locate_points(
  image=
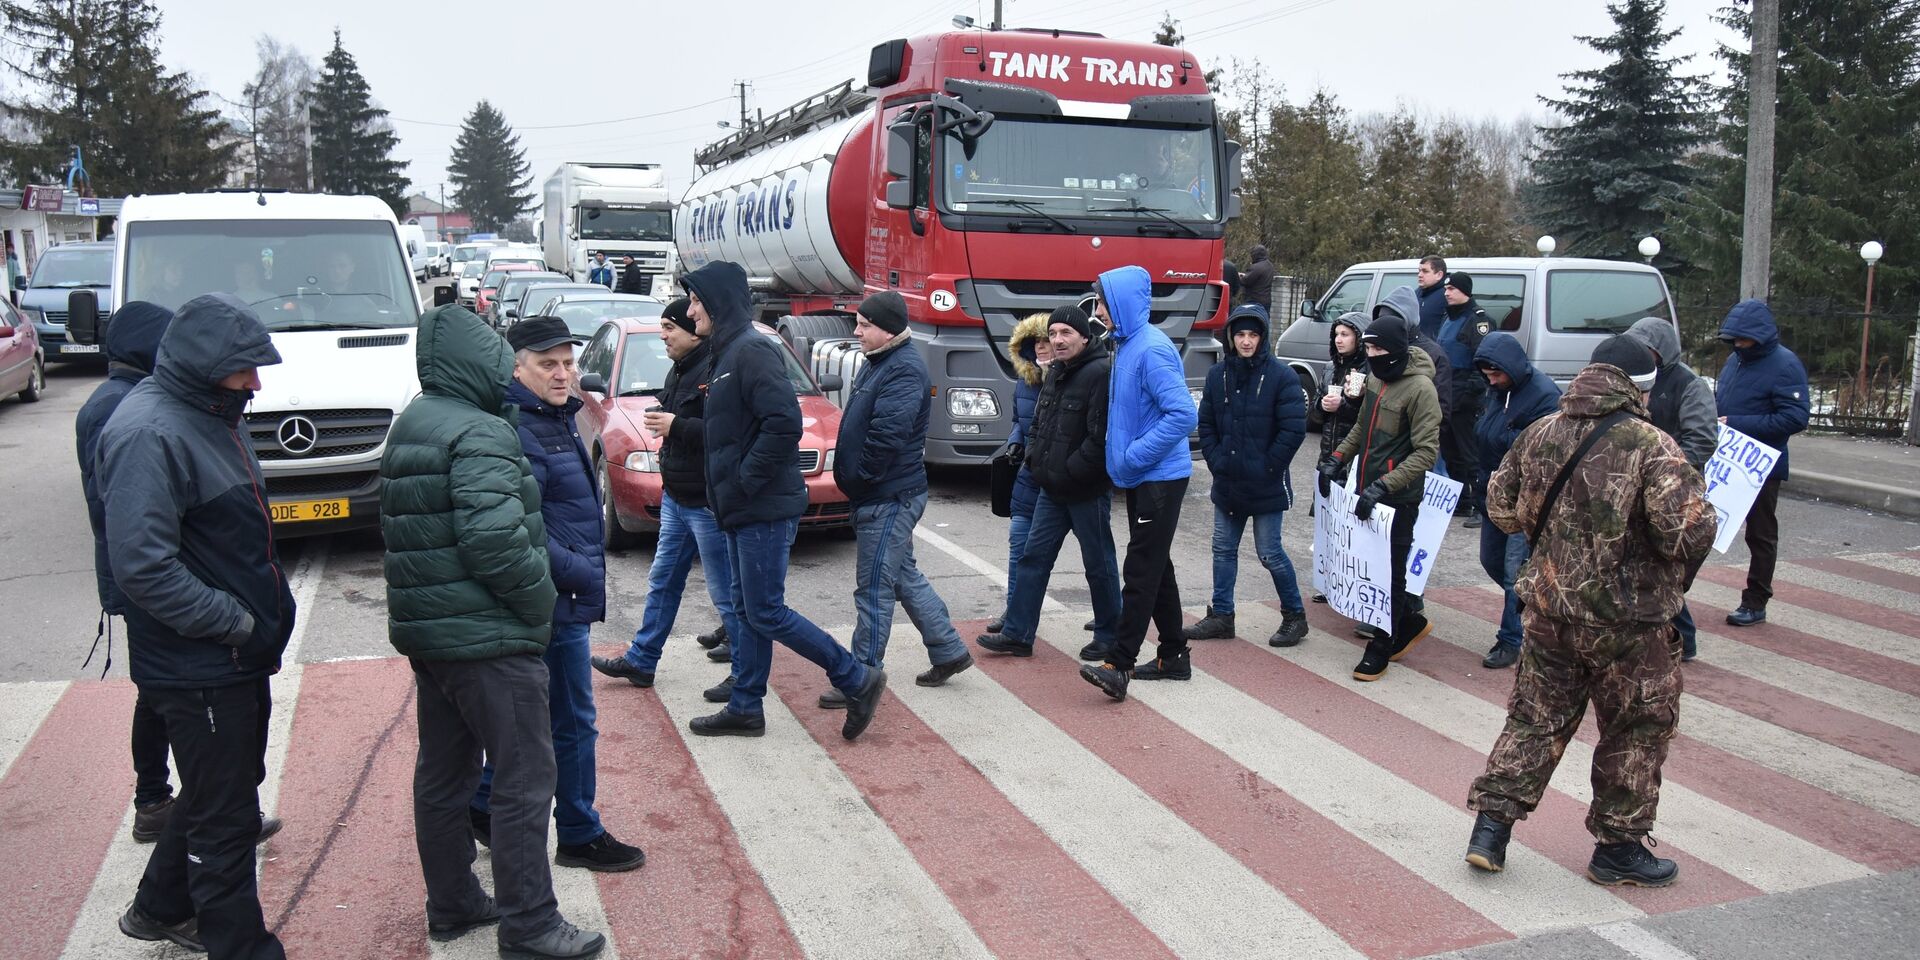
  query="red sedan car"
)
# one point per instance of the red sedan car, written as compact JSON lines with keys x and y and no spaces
{"x":23,"y":365}
{"x":628,"y":358}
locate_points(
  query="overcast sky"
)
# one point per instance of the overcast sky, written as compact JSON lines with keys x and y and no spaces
{"x":571,"y":67}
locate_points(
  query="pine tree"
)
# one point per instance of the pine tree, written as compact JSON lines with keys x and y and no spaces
{"x":1313,"y":168}
{"x":1845,"y":142}
{"x":489,"y":172}
{"x":352,"y":141}
{"x":1397,"y":191}
{"x":139,"y":128}
{"x":1602,"y":181}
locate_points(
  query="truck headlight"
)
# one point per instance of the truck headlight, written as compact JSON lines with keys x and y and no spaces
{"x":972,"y":403}
{"x":643,"y":461}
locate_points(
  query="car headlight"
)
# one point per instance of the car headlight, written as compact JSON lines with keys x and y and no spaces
{"x":828,"y":462}
{"x":972,"y":403}
{"x":643,"y":461}
{"x":1196,"y":395}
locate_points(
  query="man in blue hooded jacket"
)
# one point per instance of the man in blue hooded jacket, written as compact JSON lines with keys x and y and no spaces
{"x":1518,"y":394}
{"x":757,"y":493}
{"x":1762,"y":392}
{"x":209,"y":614}
{"x":132,"y":338}
{"x":1150,"y":412}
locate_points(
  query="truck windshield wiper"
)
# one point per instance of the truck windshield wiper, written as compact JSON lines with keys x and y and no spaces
{"x":1030,"y":207}
{"x":1160,"y":212}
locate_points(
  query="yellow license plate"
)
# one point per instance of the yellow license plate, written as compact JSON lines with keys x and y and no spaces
{"x":295,"y":511}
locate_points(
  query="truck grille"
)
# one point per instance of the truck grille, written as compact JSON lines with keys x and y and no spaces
{"x":326,"y":484}
{"x":334,"y":433}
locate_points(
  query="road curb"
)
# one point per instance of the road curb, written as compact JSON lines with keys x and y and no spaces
{"x":1900,"y":502}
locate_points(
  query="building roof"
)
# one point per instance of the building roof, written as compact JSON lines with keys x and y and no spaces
{"x":69,"y":203}
{"x":421,"y":203}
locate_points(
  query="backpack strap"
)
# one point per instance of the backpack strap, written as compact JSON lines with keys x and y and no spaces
{"x":1553,"y":493}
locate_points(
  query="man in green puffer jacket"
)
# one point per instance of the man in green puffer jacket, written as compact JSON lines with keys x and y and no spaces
{"x":469,"y":602}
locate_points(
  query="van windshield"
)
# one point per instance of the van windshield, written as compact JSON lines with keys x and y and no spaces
{"x":296,"y":274}
{"x":73,"y":269}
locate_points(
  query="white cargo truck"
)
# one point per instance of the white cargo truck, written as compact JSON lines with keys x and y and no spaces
{"x":619,"y":209}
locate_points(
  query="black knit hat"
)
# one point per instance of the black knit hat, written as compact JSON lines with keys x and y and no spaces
{"x":1461,"y":282}
{"x":1073,"y":317}
{"x":676,"y":312}
{"x":1632,"y":357}
{"x":886,"y":310}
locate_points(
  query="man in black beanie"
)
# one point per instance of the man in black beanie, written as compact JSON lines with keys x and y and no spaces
{"x":1394,"y":442}
{"x":879,"y":464}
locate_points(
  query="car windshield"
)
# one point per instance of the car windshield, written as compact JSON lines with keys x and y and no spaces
{"x":644,"y":364}
{"x":618,"y":223}
{"x":1084,"y":168}
{"x":493,"y":278}
{"x":473,"y":268}
{"x":73,"y":269}
{"x":463,"y":253}
{"x":297,"y":274}
{"x":802,"y":382}
{"x":529,"y":261}
{"x":516,"y":284}
{"x":542,"y":294}
{"x":583,"y":317}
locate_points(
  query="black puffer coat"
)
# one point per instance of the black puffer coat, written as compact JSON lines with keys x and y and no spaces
{"x":683,"y":454}
{"x":1067,"y":445}
{"x":1334,"y":425}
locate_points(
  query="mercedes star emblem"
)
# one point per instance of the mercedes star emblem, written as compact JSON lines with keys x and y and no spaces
{"x":297,"y":435}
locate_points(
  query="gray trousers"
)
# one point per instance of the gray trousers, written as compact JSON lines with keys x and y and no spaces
{"x":497,"y":708}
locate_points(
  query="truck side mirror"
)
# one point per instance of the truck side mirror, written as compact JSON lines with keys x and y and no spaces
{"x":83,"y":316}
{"x":1234,"y":178}
{"x":900,"y":166}
{"x":445,"y":294}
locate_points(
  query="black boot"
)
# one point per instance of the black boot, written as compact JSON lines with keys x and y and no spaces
{"x":1501,"y":657}
{"x":1111,"y":681}
{"x":1293,"y":629}
{"x":1175,"y":668}
{"x":997,"y":624}
{"x":1096,"y":651}
{"x":1487,"y":848}
{"x":622,"y":668}
{"x":726,"y":723}
{"x":1214,"y":626}
{"x":722,"y":652}
{"x":1629,"y":864}
{"x":708,"y":641}
{"x":719,"y":693}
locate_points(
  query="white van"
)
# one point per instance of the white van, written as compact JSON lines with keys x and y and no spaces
{"x":330,"y":278}
{"x":415,"y":241}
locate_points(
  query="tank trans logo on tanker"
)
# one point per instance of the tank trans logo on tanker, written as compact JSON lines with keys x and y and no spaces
{"x":1053,"y":66}
{"x":769,"y":208}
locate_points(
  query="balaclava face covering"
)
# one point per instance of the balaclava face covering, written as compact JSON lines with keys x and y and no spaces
{"x":1389,"y":334}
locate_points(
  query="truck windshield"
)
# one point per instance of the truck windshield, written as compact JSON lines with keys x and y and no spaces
{"x":73,"y":269}
{"x":617,"y":223}
{"x":1085,"y":168}
{"x":296,"y":274}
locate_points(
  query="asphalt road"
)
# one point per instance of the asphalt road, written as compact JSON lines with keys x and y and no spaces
{"x":48,"y":603}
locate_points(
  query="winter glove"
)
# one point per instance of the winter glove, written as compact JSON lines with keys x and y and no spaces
{"x":1369,"y":498}
{"x":1331,"y":471}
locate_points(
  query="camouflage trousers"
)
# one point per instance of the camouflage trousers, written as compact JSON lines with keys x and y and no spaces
{"x":1631,"y":672}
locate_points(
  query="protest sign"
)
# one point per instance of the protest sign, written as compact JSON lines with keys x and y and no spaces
{"x":1739,"y":468}
{"x":1352,"y":559}
{"x":1430,"y":528}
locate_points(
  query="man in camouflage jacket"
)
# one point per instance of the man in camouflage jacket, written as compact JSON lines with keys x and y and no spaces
{"x":1606,"y":574}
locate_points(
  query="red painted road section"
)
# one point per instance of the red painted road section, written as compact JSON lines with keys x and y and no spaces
{"x":698,"y":895}
{"x":1808,"y":648}
{"x":1846,"y":729}
{"x":61,"y":802}
{"x":343,"y":875}
{"x":1021,"y":893}
{"x":1442,"y":767}
{"x":1855,"y":570}
{"x":1833,"y":604}
{"x":1329,"y":872}
{"x":1850,"y":829}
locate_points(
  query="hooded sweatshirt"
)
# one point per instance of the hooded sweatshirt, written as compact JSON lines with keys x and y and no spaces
{"x":132,"y":340}
{"x":1253,"y":417}
{"x":753,"y":417}
{"x":466,"y":561}
{"x":189,"y":538}
{"x":1334,"y":426}
{"x":1150,"y":409}
{"x":1631,"y":518}
{"x":1681,"y":402}
{"x":1762,"y":390}
{"x":1396,"y":437}
{"x":1505,"y":413}
{"x":1400,"y":303}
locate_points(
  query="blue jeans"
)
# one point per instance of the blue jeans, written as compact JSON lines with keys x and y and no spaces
{"x":1502,"y":555}
{"x":570,"y":708}
{"x":1227,"y":531}
{"x":759,"y":553}
{"x":1683,"y":622}
{"x":1051,"y":521}
{"x":1017,"y":527}
{"x":885,"y":574}
{"x":683,"y":531}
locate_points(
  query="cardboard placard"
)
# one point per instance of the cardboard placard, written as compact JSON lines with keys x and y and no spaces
{"x":1352,"y":560}
{"x":1739,"y":468}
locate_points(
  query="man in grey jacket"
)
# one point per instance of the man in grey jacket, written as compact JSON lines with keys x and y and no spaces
{"x":1682,"y":406}
{"x":208,"y":616}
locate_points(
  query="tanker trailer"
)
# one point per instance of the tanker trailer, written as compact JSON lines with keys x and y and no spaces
{"x":984,"y":176}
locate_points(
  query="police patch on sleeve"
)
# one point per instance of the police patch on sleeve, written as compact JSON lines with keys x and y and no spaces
{"x":1483,"y":326}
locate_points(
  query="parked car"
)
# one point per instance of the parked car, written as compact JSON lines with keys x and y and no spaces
{"x":23,"y":368}
{"x":583,"y":313}
{"x":1559,"y":308}
{"x":490,"y":283}
{"x":63,"y":269}
{"x":506,"y":297}
{"x":439,"y":256}
{"x":536,"y":296}
{"x":622,"y":370}
{"x":468,"y":263}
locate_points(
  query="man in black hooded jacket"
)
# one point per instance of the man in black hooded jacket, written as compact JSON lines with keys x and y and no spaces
{"x":208,"y":614}
{"x":756,"y":492}
{"x":132,"y":337}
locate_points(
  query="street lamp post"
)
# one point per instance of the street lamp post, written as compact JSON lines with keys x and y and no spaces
{"x":1870,"y":252}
